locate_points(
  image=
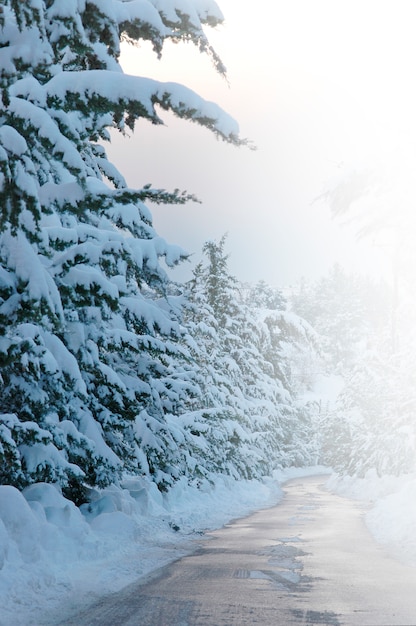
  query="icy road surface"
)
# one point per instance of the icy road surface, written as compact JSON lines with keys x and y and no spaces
{"x":309,"y":560}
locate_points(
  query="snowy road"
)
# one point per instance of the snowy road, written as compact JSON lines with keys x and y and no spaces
{"x":309,"y":560}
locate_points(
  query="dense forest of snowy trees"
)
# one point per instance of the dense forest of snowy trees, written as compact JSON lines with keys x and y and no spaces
{"x":374,"y":426}
{"x":369,"y":343}
{"x":109,"y":369}
{"x":105,"y":369}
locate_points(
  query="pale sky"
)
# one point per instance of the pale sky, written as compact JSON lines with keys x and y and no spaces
{"x":314,"y":85}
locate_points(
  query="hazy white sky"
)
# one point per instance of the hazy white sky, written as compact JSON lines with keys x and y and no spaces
{"x":314,"y":85}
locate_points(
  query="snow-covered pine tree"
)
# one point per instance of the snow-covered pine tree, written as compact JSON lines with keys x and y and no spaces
{"x":220,"y":439}
{"x":345,"y":310}
{"x":290,"y":345}
{"x":263,"y":296}
{"x":374,"y":422}
{"x":371,"y":425}
{"x":249,"y":418}
{"x":86,"y":348}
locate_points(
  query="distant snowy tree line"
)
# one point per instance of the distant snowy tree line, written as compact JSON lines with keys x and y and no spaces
{"x":108,"y":368}
{"x":371,"y":425}
{"x":375,"y":421}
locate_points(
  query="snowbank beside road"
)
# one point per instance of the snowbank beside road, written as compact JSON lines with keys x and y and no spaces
{"x":392,"y":518}
{"x":56,"y":558}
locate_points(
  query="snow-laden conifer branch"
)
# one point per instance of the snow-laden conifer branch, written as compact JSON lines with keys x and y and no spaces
{"x":179,"y":21}
{"x":126,"y":98}
{"x":157,"y":196}
{"x":129,"y":98}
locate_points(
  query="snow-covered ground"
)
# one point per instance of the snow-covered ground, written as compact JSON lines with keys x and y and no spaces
{"x":54,"y":560}
{"x":392,"y":516}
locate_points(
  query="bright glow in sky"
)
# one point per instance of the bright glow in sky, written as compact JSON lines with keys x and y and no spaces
{"x":315,"y":85}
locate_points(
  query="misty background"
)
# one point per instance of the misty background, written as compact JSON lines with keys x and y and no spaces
{"x":316,"y":87}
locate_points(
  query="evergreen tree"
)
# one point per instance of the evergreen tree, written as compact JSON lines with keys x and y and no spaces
{"x":346,"y":311}
{"x":263,"y":296}
{"x":371,"y":424}
{"x":88,"y":342}
{"x":252,"y":417}
{"x":291,"y":346}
